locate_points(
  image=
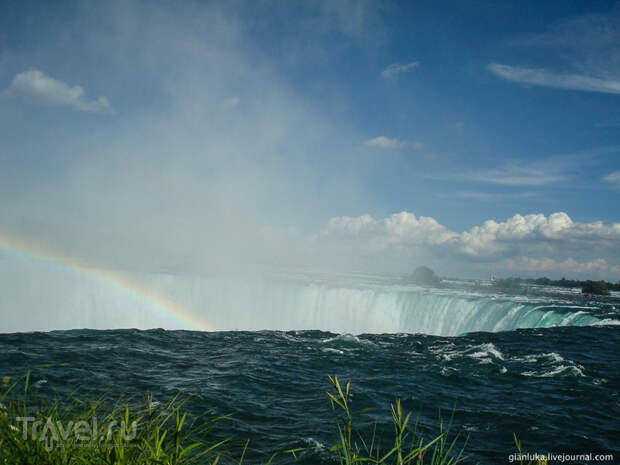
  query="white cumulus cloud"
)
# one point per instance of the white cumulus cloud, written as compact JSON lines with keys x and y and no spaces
{"x":397,"y":229}
{"x":397,"y":68}
{"x":39,"y":88}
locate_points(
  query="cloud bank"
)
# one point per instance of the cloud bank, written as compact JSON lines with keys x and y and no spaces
{"x":530,"y":243}
{"x":39,"y":88}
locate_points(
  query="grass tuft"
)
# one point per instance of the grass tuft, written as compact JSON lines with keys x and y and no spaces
{"x":408,"y":448}
{"x":34,"y":431}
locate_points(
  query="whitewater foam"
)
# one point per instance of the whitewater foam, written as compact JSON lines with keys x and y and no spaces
{"x":332,"y":351}
{"x":572,"y":370}
{"x":485,"y":351}
{"x":348,"y":339}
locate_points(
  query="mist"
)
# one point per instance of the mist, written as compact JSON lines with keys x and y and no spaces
{"x":188,"y":156}
{"x":217,"y":166}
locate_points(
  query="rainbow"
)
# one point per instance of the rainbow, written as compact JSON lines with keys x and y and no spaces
{"x":17,"y":246}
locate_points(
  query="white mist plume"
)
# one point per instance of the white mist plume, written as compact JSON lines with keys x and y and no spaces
{"x":196,"y":181}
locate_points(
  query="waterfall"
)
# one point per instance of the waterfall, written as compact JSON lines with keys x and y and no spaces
{"x":36,"y":297}
{"x":379,"y":310}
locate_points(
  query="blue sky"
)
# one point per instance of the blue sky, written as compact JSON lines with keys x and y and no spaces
{"x":208,"y":132}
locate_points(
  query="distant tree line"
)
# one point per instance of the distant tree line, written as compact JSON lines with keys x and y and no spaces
{"x":587,"y":286}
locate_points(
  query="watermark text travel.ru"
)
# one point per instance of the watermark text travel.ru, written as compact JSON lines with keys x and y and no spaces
{"x":52,"y":432}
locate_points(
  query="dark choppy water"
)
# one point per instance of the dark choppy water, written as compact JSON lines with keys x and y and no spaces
{"x":556,"y":388}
